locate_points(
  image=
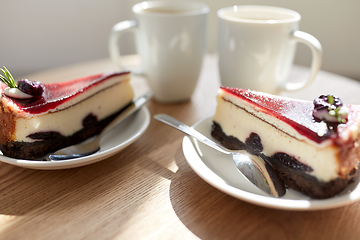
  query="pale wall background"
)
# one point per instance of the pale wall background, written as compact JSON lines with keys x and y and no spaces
{"x":41,"y":34}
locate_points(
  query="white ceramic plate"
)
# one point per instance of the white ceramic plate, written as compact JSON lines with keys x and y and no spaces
{"x":219,"y":171}
{"x":122,"y":136}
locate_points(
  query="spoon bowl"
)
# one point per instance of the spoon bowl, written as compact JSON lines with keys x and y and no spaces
{"x":254,"y":168}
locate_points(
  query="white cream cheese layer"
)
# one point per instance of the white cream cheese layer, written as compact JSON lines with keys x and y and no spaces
{"x":276,"y":136}
{"x":69,"y":119}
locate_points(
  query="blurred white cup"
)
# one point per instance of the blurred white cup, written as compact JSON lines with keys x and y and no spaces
{"x":171,"y":41}
{"x":256,"y":48}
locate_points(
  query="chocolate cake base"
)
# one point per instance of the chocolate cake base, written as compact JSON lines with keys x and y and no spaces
{"x":294,"y":174}
{"x":47,"y":142}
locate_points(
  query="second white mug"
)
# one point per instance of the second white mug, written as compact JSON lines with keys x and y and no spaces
{"x":256,"y":48}
{"x":171,"y":41}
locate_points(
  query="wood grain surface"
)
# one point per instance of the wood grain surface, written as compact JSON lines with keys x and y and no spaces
{"x":148,"y":191}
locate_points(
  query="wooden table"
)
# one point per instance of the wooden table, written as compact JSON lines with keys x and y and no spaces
{"x":148,"y":191}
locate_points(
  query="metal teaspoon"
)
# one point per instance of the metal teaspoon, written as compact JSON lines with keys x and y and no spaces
{"x":254,"y":168}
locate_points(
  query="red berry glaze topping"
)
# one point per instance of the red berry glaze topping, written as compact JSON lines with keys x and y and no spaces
{"x":56,"y":94}
{"x":296,"y":113}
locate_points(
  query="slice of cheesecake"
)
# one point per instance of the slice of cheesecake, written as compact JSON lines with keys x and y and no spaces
{"x":313,"y":155}
{"x":65,"y":113}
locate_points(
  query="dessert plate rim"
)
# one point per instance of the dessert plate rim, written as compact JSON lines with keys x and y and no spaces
{"x":220,"y":172}
{"x":131,"y":129}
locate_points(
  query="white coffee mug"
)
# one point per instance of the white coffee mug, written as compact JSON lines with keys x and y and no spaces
{"x":256,"y":48}
{"x":171,"y":41}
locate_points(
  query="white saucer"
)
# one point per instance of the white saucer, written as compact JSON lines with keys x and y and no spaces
{"x":115,"y":141}
{"x":219,"y":171}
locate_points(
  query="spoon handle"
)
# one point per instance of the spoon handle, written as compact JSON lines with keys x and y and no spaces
{"x":164,"y":118}
{"x":256,"y":166}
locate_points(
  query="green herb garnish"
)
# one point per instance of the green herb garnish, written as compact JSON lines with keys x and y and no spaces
{"x":330,"y":99}
{"x":340,"y":115}
{"x":7,"y":78}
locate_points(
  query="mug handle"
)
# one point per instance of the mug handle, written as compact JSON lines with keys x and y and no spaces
{"x":114,"y":49}
{"x":316,"y":49}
